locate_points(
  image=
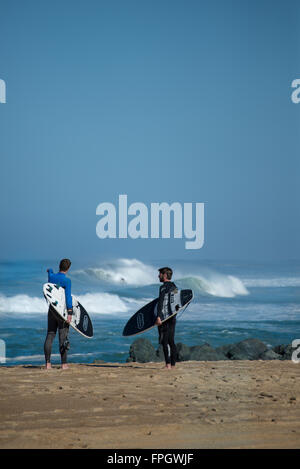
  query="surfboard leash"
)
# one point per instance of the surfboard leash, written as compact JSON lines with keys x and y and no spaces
{"x":181,"y":313}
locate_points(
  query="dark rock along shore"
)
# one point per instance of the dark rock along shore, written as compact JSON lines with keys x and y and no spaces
{"x":142,"y":351}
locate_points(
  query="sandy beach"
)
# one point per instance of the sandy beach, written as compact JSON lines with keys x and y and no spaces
{"x":229,"y":404}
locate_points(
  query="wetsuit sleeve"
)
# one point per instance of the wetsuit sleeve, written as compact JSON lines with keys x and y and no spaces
{"x":68,"y":295}
{"x":50,"y":273}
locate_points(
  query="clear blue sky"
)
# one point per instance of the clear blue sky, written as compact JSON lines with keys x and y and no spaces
{"x":185,"y":101}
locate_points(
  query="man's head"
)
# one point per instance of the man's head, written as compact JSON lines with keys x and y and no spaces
{"x":165,"y":274}
{"x":64,"y":265}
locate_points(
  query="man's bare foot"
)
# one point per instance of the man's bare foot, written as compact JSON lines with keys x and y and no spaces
{"x":168,"y":367}
{"x":48,"y":366}
{"x":64,"y":366}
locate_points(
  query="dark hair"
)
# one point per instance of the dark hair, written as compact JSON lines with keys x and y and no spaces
{"x":166,"y":270}
{"x":64,"y":265}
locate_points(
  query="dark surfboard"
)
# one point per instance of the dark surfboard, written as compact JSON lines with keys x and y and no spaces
{"x":85,"y":325}
{"x":144,"y":319}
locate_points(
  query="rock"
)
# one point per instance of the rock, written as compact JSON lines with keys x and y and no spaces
{"x":160,"y":354}
{"x":285,"y":351}
{"x":142,"y":351}
{"x":270,"y":355}
{"x":224,"y":349}
{"x":183,"y":352}
{"x":248,"y":349}
{"x":279,"y":349}
{"x":206,"y":353}
{"x":288,"y":352}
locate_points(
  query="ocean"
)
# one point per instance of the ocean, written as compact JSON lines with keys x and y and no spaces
{"x":232,"y":301}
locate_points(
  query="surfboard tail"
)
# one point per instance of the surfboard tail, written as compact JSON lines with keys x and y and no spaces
{"x":186,"y":296}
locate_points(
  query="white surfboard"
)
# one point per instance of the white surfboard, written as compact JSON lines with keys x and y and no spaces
{"x":56,"y":297}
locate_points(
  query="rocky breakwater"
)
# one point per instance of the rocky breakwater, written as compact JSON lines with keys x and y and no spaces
{"x":143,"y":351}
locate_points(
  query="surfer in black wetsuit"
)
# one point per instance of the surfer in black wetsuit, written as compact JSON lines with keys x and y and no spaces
{"x":166,"y":329}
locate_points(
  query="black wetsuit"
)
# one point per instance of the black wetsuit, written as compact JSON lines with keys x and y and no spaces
{"x":54,"y":323}
{"x":167,"y":329}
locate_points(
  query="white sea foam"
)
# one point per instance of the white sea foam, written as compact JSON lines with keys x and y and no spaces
{"x":22,"y":304}
{"x":106,"y":303}
{"x":95,"y":303}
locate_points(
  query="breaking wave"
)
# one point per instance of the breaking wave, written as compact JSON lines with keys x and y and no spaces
{"x":122,"y":272}
{"x":98,"y":303}
{"x":134,"y":273}
{"x":223,"y":286}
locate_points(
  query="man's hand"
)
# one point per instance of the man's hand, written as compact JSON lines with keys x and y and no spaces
{"x":158,"y":321}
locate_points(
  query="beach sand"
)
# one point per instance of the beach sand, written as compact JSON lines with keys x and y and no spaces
{"x":224,"y":404}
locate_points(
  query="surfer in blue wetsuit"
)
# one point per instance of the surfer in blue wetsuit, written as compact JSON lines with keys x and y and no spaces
{"x":166,"y":329}
{"x":54,"y":321}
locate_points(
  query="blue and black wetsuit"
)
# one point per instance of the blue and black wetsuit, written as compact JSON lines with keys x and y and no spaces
{"x":63,"y":281}
{"x":167,"y":329}
{"x":55,"y":322}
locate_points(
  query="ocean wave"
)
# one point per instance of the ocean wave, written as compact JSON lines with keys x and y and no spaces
{"x":122,"y":272}
{"x":132,"y":272}
{"x":223,"y":286}
{"x":94,"y":303}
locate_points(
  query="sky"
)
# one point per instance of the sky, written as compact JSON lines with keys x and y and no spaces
{"x":165,"y":101}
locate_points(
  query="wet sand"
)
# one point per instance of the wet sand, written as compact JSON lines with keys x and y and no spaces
{"x":229,"y":404}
